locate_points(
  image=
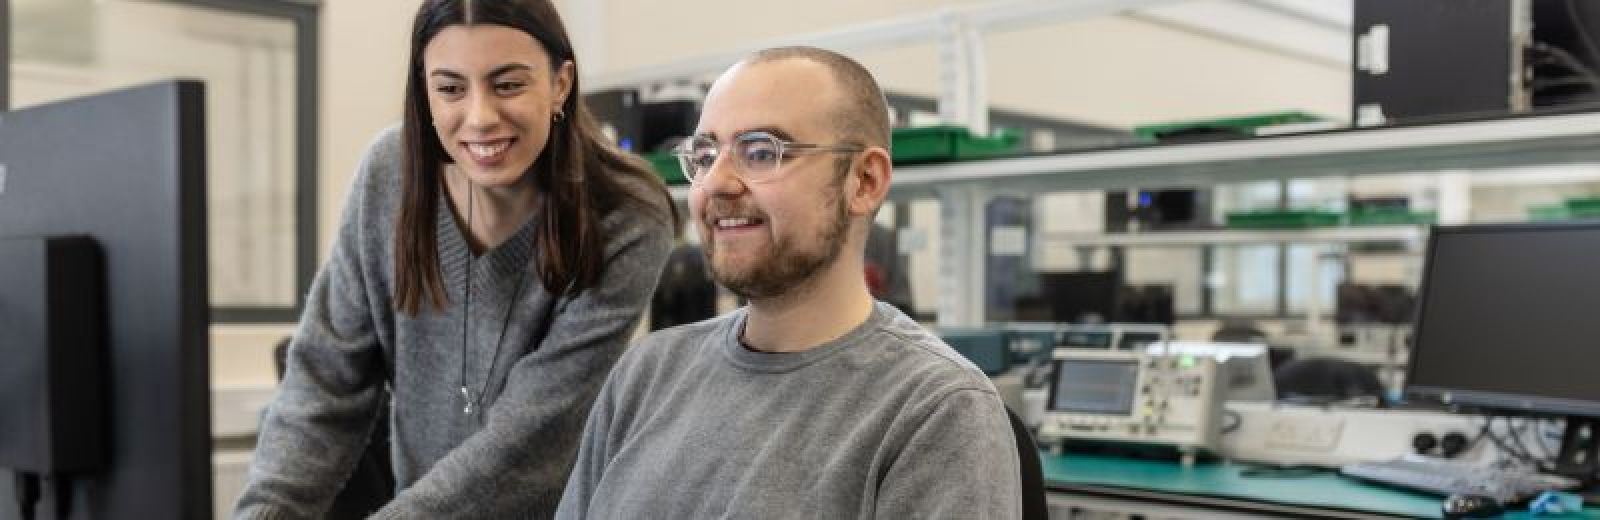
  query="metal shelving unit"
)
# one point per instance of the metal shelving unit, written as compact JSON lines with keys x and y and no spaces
{"x":1517,"y":141}
{"x":1340,"y":235}
{"x":964,"y":188}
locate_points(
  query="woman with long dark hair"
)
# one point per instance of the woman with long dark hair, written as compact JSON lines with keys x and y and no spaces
{"x":493,"y":258}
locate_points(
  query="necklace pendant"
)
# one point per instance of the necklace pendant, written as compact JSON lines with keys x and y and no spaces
{"x":466,"y":400}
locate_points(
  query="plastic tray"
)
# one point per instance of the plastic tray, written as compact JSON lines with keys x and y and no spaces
{"x":1392,"y":217}
{"x":666,"y":165}
{"x":1241,"y":126}
{"x":1294,"y":219}
{"x":949,"y":143}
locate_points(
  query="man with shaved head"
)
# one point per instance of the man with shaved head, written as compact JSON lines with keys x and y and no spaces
{"x":814,"y":400}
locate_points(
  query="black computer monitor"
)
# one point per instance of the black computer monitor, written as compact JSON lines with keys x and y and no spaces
{"x":1075,"y":296}
{"x":126,"y":169}
{"x":1509,"y":320}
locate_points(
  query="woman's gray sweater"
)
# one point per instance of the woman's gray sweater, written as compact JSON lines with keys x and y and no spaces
{"x":508,"y":459}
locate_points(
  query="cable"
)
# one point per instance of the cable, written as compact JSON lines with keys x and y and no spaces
{"x":61,"y":491}
{"x":1539,"y":440}
{"x":28,"y":494}
{"x":1582,"y":30}
{"x":1559,"y":56}
{"x":1518,"y":449}
{"x":1238,"y":420}
{"x":1482,"y":432}
{"x":1504,"y":447}
{"x":1563,"y":82}
{"x":1289,"y":471}
{"x":1515,"y":433}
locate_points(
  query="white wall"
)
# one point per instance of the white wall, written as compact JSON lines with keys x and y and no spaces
{"x":363,"y":66}
{"x":1117,"y":71}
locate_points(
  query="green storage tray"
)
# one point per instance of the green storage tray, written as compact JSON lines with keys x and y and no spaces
{"x":1241,"y":126}
{"x":1293,"y":219}
{"x":950,"y":143}
{"x":1572,"y":209}
{"x":1583,"y":207}
{"x":1392,"y":217}
{"x":1548,"y":213}
{"x":666,"y":165}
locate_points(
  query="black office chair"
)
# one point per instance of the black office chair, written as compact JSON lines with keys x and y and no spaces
{"x":1322,"y":380}
{"x":371,"y":484}
{"x":1033,"y":503}
{"x":1239,"y":331}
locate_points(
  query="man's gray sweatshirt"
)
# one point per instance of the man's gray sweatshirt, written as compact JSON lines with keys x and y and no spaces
{"x":884,"y":422}
{"x":511,"y":456}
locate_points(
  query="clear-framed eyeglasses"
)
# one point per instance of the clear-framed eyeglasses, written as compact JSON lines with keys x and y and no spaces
{"x":758,"y":156}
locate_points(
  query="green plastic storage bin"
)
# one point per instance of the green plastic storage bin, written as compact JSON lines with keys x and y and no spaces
{"x":666,"y":165}
{"x":950,"y":143}
{"x":1391,"y":217}
{"x":1244,"y":126}
{"x":1547,"y":213}
{"x":1292,"y":219}
{"x":1583,"y":208}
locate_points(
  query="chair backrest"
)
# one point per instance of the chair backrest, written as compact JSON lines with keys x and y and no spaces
{"x":1033,"y":502}
{"x":1329,"y":379}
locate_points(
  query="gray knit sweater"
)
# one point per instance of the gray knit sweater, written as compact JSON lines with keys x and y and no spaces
{"x":511,"y":457}
{"x":885,"y":422}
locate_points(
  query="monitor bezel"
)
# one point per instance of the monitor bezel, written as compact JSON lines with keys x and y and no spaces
{"x":1498,"y":401}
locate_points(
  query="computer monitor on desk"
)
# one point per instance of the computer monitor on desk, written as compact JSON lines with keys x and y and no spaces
{"x":1509,"y":320}
{"x":1081,"y":296}
{"x":123,"y":172}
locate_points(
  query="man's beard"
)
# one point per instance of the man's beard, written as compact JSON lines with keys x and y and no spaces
{"x":784,"y":267}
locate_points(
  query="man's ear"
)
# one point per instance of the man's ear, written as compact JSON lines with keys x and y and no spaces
{"x":870,"y":179}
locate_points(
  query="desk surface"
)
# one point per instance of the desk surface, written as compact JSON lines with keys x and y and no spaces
{"x":1325,"y":490}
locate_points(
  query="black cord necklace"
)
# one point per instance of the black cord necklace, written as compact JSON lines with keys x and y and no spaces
{"x":468,"y":401}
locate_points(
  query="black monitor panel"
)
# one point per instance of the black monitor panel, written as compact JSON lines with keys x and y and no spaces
{"x":1507,"y":319}
{"x":127,"y":170}
{"x":1082,"y":296}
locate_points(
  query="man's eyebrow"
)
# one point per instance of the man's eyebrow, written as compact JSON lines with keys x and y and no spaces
{"x":772,"y":130}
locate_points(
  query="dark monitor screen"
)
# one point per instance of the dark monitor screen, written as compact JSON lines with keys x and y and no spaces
{"x":1134,"y":340}
{"x":1087,"y":339}
{"x":1509,"y":319}
{"x":127,"y":170}
{"x":1075,"y":295}
{"x":1094,"y":386}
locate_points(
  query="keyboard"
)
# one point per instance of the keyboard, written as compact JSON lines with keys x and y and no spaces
{"x":1444,"y":477}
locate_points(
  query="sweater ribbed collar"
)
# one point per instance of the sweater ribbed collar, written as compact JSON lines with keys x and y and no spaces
{"x":778,"y":362}
{"x":496,"y":270}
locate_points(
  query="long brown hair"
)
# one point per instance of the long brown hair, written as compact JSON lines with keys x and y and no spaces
{"x":578,"y":175}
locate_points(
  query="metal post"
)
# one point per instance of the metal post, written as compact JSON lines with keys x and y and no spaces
{"x":962,"y":254}
{"x":963,"y":77}
{"x":5,"y":55}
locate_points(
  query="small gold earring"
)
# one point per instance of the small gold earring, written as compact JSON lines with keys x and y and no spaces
{"x":558,"y":117}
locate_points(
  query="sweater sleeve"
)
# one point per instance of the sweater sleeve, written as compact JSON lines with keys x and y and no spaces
{"x":521,"y":459}
{"x":961,"y":462}
{"x":594,"y":452}
{"x":316,"y":427}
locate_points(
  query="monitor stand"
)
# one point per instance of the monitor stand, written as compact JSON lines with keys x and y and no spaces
{"x":1580,"y":450}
